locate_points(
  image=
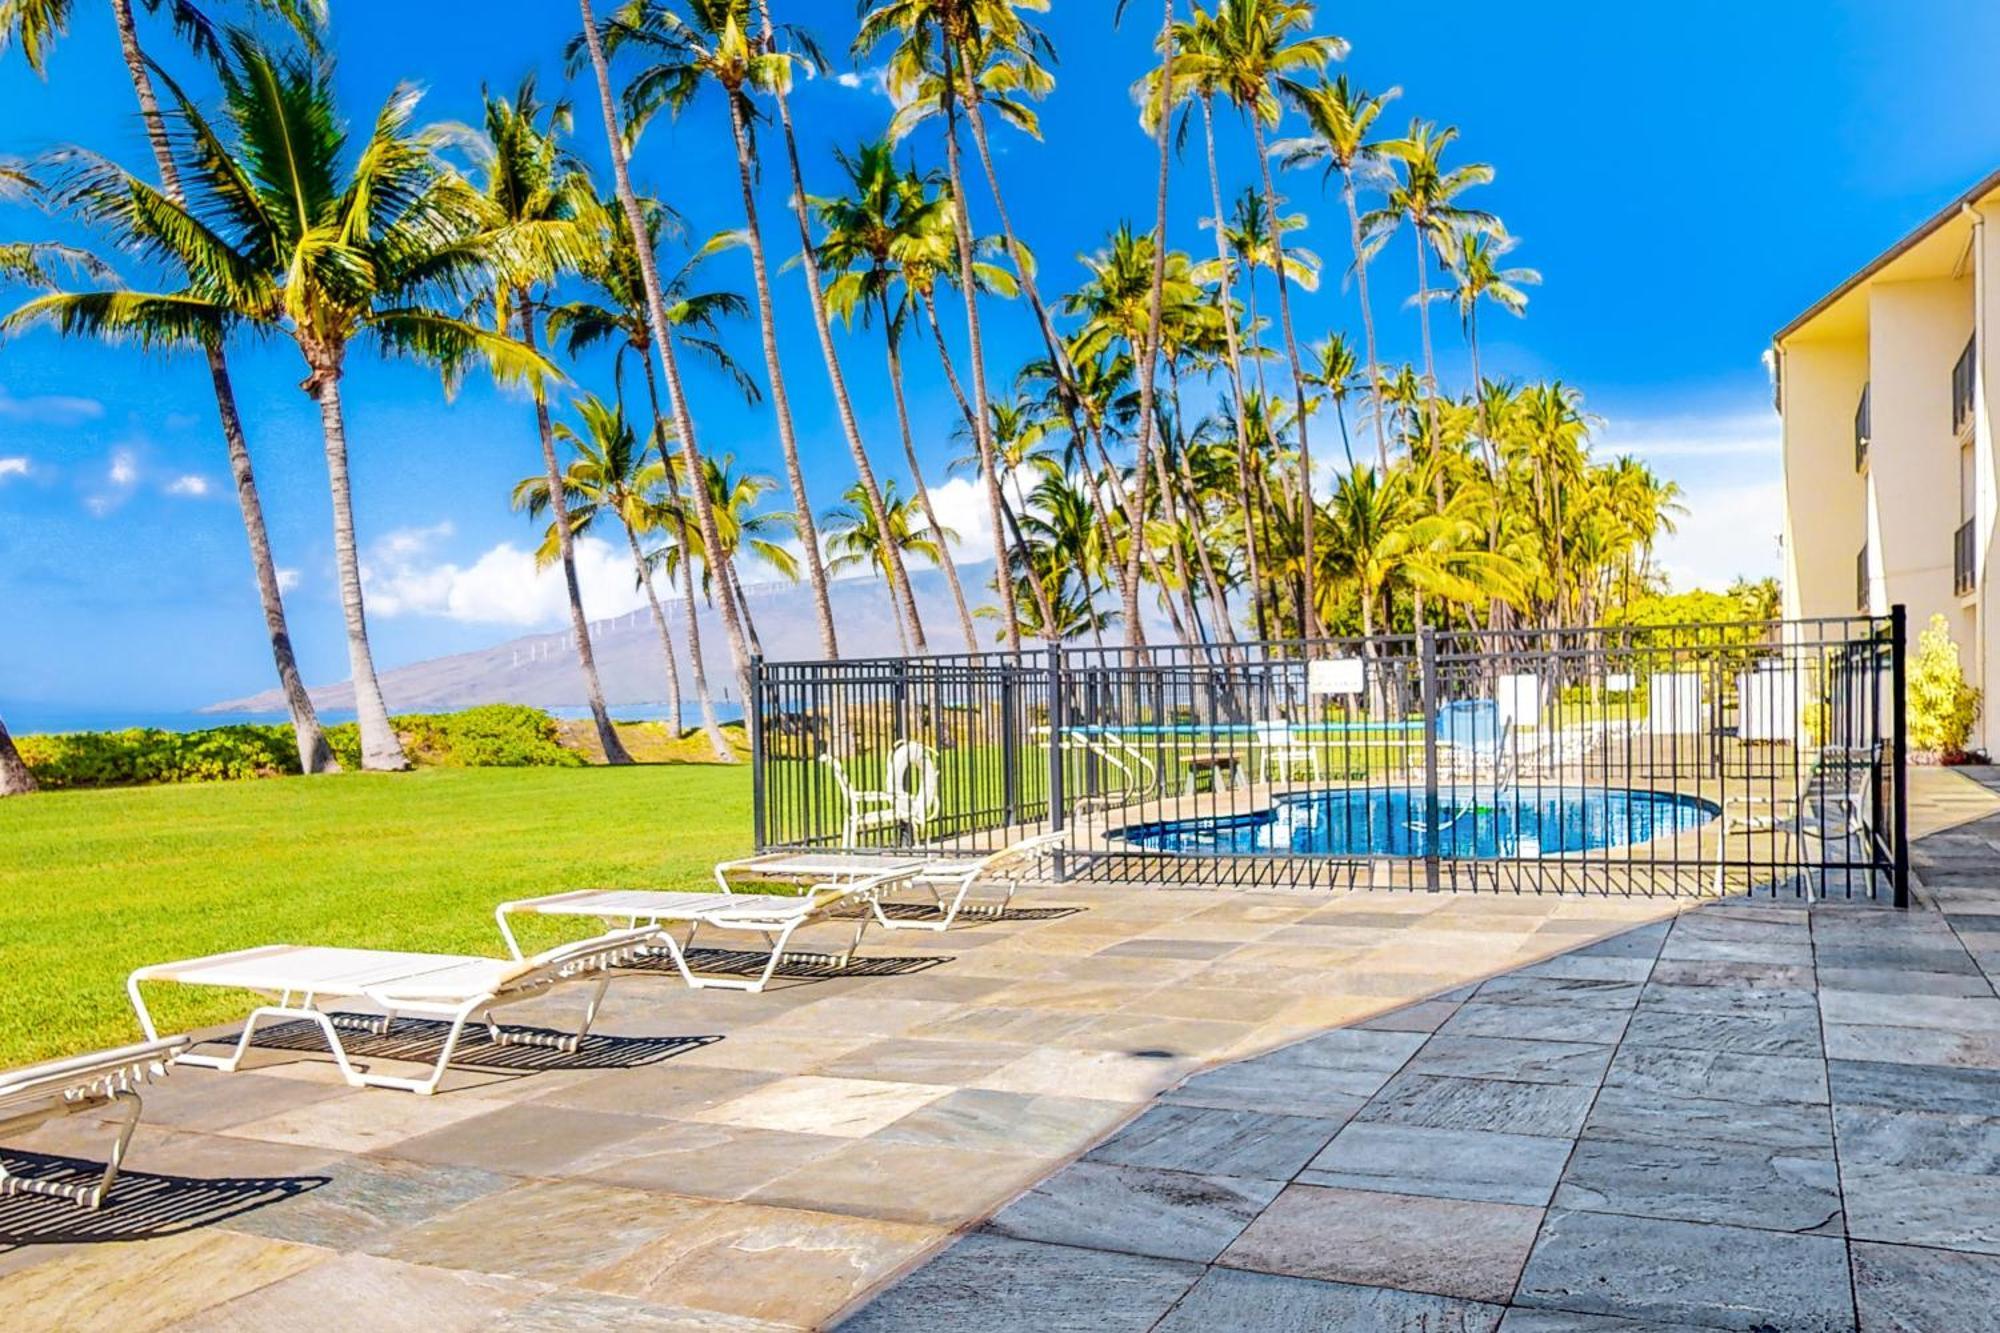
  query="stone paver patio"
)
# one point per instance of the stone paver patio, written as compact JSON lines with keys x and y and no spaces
{"x":1179,"y":1109}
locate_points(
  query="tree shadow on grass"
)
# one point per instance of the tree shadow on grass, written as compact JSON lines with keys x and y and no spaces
{"x":142,"y":1205}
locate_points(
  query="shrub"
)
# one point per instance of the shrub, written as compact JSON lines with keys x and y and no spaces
{"x":1942,"y":706}
{"x":489,"y":736}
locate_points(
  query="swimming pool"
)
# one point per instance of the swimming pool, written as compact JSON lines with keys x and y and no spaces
{"x":1473,"y":823}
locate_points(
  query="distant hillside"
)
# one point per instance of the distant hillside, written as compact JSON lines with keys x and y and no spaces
{"x":540,"y":669}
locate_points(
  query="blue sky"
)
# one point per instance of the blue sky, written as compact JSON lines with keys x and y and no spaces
{"x":1686,"y":178}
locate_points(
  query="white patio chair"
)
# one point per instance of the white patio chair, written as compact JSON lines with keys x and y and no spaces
{"x":1280,"y":746}
{"x":774,"y":917}
{"x":949,"y":881}
{"x":1832,"y":805}
{"x":36,"y":1094}
{"x":908,"y":800}
{"x":454,"y":987}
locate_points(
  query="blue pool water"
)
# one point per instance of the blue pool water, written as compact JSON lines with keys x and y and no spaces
{"x":1479,"y":823}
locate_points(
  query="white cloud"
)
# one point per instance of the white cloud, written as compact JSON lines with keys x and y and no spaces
{"x":48,"y":409}
{"x":124,"y":468}
{"x":404,"y":575}
{"x":288,"y":578}
{"x":848,"y":79}
{"x":1727,"y":465}
{"x":189,"y":485}
{"x":16,"y":466}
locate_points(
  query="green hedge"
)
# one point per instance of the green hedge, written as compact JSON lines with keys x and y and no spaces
{"x":489,"y":736}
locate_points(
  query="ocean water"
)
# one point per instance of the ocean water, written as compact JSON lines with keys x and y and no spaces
{"x":31,"y":719}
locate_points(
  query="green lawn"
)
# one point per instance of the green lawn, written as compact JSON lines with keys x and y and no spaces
{"x":95,"y":883}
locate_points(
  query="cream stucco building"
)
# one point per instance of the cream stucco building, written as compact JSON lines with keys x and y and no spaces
{"x":1888,"y":440}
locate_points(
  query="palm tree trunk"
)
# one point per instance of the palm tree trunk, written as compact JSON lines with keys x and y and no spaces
{"x":1367,"y":317}
{"x":1223,"y":266}
{"x":733,"y":587}
{"x":704,"y":700}
{"x":972,"y":419}
{"x":645,"y":574}
{"x":945,"y":560}
{"x":586,"y":656}
{"x":781,"y":406}
{"x":314,"y":756}
{"x":1150,"y":367}
{"x":982,"y":426}
{"x":656,"y":313}
{"x":15,"y":779}
{"x":1308,"y":610}
{"x":381,"y":750}
{"x":898,"y":571}
{"x":1424,"y":323}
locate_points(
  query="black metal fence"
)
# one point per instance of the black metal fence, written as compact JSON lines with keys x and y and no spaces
{"x":1662,"y":759}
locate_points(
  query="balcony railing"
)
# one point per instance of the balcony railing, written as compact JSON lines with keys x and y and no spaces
{"x":1964,"y":567}
{"x":1861,"y":580}
{"x":1962,"y":374}
{"x":1861,"y":431}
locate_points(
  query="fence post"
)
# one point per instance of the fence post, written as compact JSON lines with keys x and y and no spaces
{"x":1057,"y":813}
{"x":1010,"y":744}
{"x":1428,"y":691}
{"x":753,"y":722}
{"x":1900,"y":722}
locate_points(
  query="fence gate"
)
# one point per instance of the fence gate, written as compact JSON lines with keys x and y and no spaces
{"x":1763,"y":758}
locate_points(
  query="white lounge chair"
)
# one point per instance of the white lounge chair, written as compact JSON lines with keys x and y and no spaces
{"x":949,"y":880}
{"x":775,"y":917}
{"x":908,"y":800}
{"x":454,"y":987}
{"x":1832,"y":806}
{"x":37,"y":1094}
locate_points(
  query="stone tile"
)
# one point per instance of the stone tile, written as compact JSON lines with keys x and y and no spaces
{"x":875,"y":1013}
{"x":1921,"y":1179}
{"x":1228,"y":1298}
{"x":1200,"y":950}
{"x":1589,"y":967}
{"x":1781,"y":954}
{"x":1921,"y":1046}
{"x":1724,"y":1075}
{"x":1942,"y":1089}
{"x":1536,"y":1022}
{"x":366,"y":1196}
{"x":670,"y":1090}
{"x":362,"y":1292}
{"x":1641,"y":1116}
{"x":1013,"y":1122}
{"x":1210,"y":1002}
{"x":990,"y":1284}
{"x":1448,"y":1247}
{"x":543,"y":1231}
{"x":1718,"y":1182}
{"x":1477,"y":1165}
{"x":1424,"y":1016}
{"x":1116,"y":1076}
{"x":1640,"y":942}
{"x":774,"y":1050}
{"x":1688,"y":1273}
{"x":1579,"y":1063}
{"x":366,"y":1121}
{"x":1217,"y":1142}
{"x":1693,"y":972}
{"x":913,"y":1060}
{"x":704,"y":1160}
{"x":901,"y":1182}
{"x":776,"y":1264}
{"x":1902,"y":981}
{"x":524,"y":1140}
{"x":150,"y":1285}
{"x":1780,"y":1032}
{"x":1136,"y":1210}
{"x":1176,"y":1038}
{"x":1030,"y":1027}
{"x":813,"y":1104}
{"x":1751,"y":1001}
{"x":1946,"y":1013}
{"x":569,"y":1311}
{"x":209,"y":1100}
{"x":1907,"y":1289}
{"x":1477,"y":1103}
{"x":1518,"y":1320}
{"x":1947,"y":956}
{"x":1261,"y":1083}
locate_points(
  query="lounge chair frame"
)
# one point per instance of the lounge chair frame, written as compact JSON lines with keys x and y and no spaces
{"x":405,"y":984}
{"x":37,"y":1094}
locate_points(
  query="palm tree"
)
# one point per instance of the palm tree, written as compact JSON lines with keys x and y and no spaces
{"x":741,"y":525}
{"x":1340,"y":118}
{"x":714,"y":45}
{"x":1424,"y":195}
{"x":15,"y":778}
{"x":285,"y":233}
{"x":1257,"y":43}
{"x":854,"y":536}
{"x":35,"y":24}
{"x":613,"y":268}
{"x":542,"y":194}
{"x":610,"y":476}
{"x":660,"y":326}
{"x":925,"y":72}
{"x":1334,"y":374}
{"x":885,"y":213}
{"x":1471,"y":261}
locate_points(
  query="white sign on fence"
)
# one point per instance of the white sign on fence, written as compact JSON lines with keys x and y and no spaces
{"x":1767,"y":705}
{"x":1519,"y":699}
{"x":1335,"y":675}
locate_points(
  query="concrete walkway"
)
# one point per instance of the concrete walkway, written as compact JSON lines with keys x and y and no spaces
{"x":1760,"y":1117}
